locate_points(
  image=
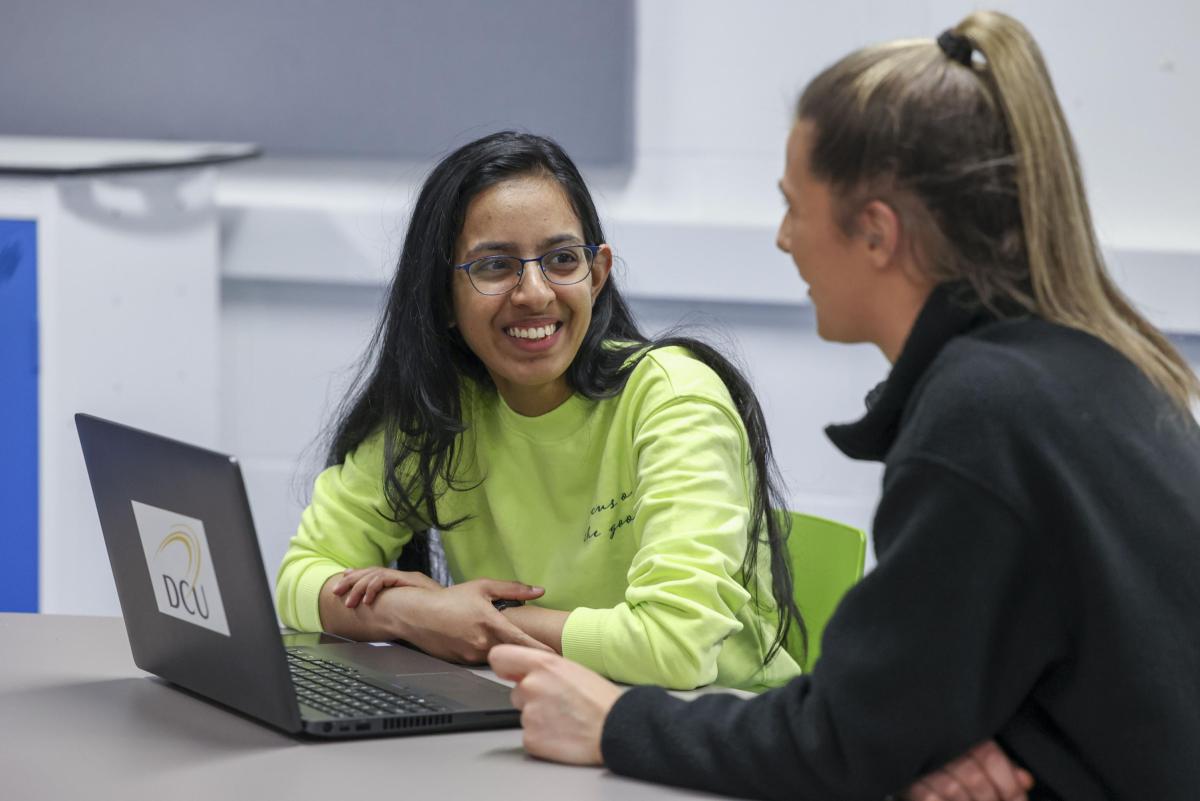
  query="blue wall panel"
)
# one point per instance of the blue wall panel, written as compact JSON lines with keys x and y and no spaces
{"x":18,"y":416}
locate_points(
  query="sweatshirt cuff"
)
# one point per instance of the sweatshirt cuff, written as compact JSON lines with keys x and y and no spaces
{"x":622,"y":740}
{"x":308,"y":594}
{"x":583,"y":637}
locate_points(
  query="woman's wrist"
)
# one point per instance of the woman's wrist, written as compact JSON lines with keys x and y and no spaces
{"x":544,"y":625}
{"x":400,"y":606}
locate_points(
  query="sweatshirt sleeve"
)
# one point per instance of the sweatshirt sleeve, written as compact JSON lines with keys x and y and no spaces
{"x":347,"y":524}
{"x":682,"y":597}
{"x":931,"y":653}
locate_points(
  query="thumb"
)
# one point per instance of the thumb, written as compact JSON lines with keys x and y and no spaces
{"x":515,"y":662}
{"x":512,"y":590}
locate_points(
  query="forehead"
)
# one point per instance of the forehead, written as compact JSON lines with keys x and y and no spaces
{"x":798,"y":149}
{"x":519,"y":203}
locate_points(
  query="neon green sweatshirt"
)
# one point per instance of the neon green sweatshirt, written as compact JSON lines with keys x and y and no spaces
{"x":631,"y":511}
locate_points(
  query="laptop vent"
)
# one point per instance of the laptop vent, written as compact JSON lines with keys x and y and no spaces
{"x":393,"y":724}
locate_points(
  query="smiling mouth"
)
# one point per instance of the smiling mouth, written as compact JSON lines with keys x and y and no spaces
{"x":534,"y":333}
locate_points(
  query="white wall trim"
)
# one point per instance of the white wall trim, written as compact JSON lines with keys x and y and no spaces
{"x":275,"y":238}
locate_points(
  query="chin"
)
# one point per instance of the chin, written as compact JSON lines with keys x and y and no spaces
{"x":829,"y":332}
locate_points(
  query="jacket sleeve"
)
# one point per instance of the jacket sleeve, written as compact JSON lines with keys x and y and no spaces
{"x":691,"y":515}
{"x":931,"y":653}
{"x":347,"y":524}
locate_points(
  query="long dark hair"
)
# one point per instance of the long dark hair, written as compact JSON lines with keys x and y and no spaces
{"x":405,"y":388}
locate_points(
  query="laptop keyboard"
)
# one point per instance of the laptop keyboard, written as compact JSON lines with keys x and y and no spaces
{"x":335,"y":689}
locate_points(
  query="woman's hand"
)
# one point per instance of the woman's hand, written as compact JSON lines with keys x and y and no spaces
{"x":985,"y":773}
{"x":362,"y":585}
{"x":563,"y":704}
{"x":460,"y":623}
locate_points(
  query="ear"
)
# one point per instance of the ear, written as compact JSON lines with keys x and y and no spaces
{"x":880,"y":230}
{"x":601,"y":267}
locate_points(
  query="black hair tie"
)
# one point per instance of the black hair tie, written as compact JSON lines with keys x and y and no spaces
{"x":956,"y":47}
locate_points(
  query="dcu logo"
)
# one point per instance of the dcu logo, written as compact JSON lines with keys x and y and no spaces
{"x":176,"y":549}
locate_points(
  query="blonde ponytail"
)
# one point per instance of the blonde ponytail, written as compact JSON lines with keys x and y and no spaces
{"x":971,"y":147}
{"x":1070,"y":283}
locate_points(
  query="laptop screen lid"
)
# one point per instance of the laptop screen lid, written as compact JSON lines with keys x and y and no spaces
{"x":176,"y":518}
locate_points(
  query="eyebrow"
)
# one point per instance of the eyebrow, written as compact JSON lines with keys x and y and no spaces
{"x":507,"y":247}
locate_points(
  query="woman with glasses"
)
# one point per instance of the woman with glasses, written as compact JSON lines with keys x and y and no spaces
{"x":597,"y":493}
{"x":1038,"y":534}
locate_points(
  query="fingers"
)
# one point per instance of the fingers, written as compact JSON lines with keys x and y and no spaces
{"x":357,"y":590}
{"x":1025,"y":780}
{"x":921,"y":790}
{"x":368,"y":586}
{"x":354,"y":592}
{"x":937,"y":786}
{"x":374,"y":584}
{"x":515,"y":662}
{"x":362,"y":585}
{"x":402,"y":578}
{"x":985,"y":773}
{"x":351,"y":577}
{"x":513,"y":590}
{"x":344,"y":583}
{"x":974,"y":778}
{"x":1005,"y":776}
{"x":517,"y":697}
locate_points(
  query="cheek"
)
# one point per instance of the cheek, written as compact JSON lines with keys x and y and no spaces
{"x":466,"y":305}
{"x":581,"y":309}
{"x":472,"y":316}
{"x":799,"y":241}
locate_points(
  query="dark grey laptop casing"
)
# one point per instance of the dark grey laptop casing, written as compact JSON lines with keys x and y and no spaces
{"x":247,"y":670}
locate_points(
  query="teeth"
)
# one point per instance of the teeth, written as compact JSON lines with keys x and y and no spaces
{"x":532,"y":333}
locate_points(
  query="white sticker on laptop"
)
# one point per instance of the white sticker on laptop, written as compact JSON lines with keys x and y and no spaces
{"x":185,"y":585}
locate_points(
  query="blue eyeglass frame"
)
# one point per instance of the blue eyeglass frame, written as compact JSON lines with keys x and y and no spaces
{"x":466,"y":266}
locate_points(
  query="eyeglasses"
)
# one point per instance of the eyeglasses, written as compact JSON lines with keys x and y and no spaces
{"x":496,"y":275}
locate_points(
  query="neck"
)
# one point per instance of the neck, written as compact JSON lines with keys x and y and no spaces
{"x":900,"y":314}
{"x":534,"y":401}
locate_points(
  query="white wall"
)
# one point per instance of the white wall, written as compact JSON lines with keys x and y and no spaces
{"x":716,"y":82}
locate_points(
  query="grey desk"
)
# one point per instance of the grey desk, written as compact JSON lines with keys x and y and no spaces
{"x":79,"y":721}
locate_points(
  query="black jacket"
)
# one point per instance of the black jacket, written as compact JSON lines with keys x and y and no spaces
{"x":1038,"y":581}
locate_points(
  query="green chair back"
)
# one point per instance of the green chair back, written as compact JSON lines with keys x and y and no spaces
{"x":827,"y":560}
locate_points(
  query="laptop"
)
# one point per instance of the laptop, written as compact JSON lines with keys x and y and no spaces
{"x":198,"y":609}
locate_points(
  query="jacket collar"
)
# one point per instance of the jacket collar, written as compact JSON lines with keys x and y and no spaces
{"x":946,"y":314}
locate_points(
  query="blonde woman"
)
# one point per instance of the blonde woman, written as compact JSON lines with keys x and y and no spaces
{"x":1039,"y":528}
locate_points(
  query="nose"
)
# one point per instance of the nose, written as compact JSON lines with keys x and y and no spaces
{"x":534,"y":291}
{"x":782,"y":240}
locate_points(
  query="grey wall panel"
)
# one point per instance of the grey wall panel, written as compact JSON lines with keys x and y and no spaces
{"x":369,"y":78}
